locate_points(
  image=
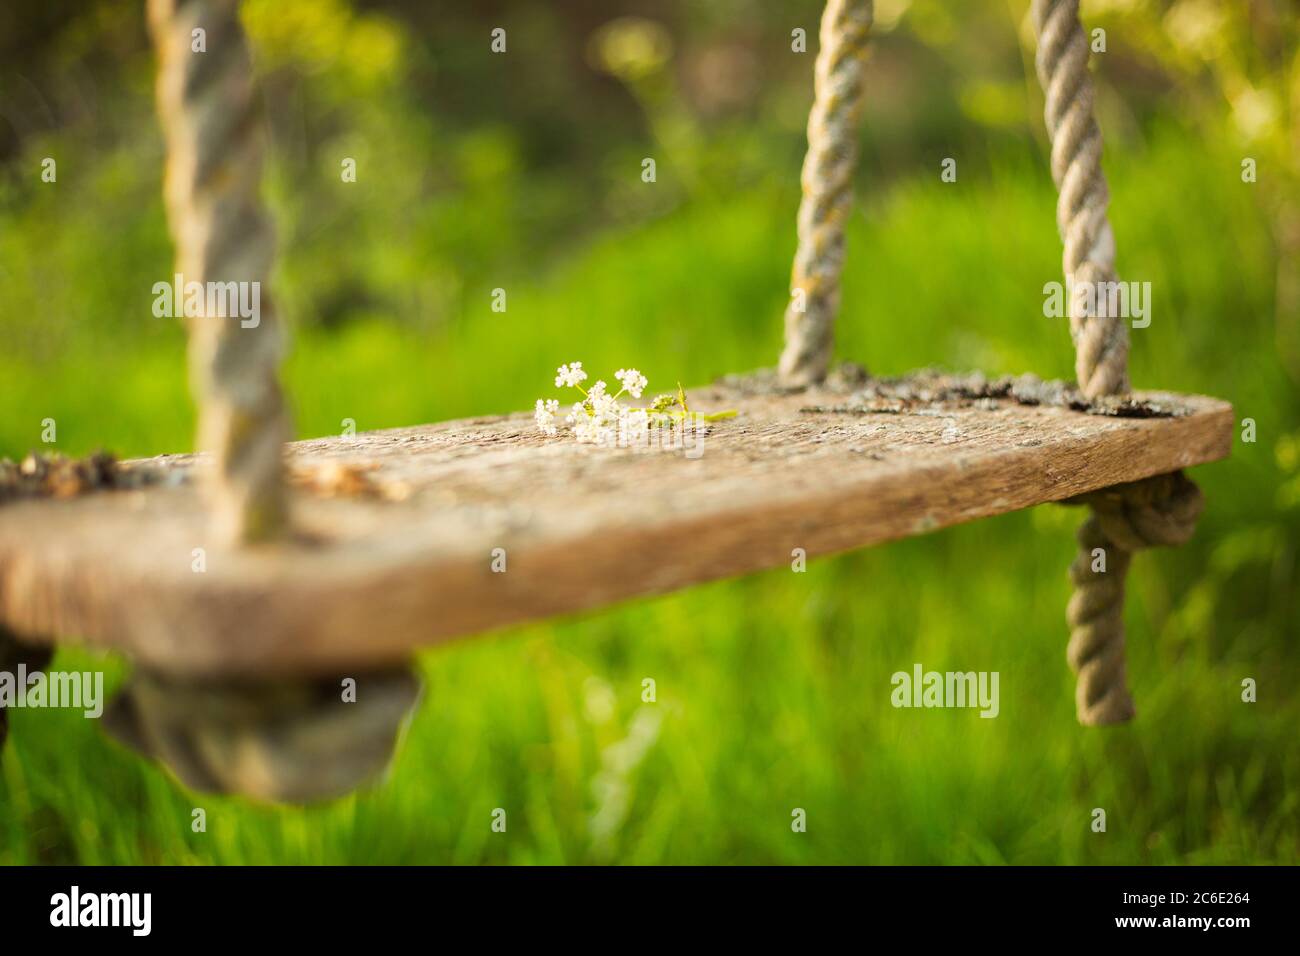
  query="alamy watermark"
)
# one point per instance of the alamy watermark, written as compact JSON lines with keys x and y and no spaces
{"x":922,"y":688}
{"x":1105,"y":300}
{"x":77,"y":690}
{"x":133,"y":911}
{"x":221,"y":300}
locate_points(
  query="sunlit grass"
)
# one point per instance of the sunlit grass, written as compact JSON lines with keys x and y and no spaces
{"x":772,"y":691}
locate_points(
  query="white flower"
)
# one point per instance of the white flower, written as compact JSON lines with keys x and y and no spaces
{"x":601,"y":418}
{"x":588,"y":429}
{"x":544,"y":415}
{"x":632,"y":380}
{"x":570,"y":374}
{"x":633,"y":427}
{"x":604,"y":407}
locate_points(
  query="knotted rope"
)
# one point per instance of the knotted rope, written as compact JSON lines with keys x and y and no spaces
{"x":211,"y":118}
{"x":281,"y":740}
{"x":278,"y":740}
{"x":1159,"y":511}
{"x":1100,"y":342}
{"x":827,"y":190}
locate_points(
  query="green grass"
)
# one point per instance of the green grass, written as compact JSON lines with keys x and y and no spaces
{"x":773,"y":691}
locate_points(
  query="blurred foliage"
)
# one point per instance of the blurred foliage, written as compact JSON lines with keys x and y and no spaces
{"x":522,"y":171}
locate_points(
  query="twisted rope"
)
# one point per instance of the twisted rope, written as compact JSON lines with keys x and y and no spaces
{"x":1159,"y":511}
{"x":211,"y":119}
{"x":281,"y":741}
{"x":827,"y":190}
{"x":1101,"y":343}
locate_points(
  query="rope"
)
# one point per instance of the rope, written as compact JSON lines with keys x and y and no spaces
{"x":1101,"y":343}
{"x":280,"y":741}
{"x":211,"y":119}
{"x":827,"y":190}
{"x":1159,"y":511}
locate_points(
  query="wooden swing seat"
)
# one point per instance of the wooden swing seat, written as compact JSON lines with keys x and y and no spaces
{"x":396,"y":530}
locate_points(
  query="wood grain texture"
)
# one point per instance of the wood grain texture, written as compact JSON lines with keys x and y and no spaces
{"x":367,"y":578}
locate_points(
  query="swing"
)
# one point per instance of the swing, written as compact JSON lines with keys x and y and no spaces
{"x":248,"y":581}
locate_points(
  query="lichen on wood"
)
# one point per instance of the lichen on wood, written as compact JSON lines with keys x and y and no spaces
{"x":929,"y":388}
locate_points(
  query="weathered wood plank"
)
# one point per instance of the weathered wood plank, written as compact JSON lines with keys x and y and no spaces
{"x":369,"y":577}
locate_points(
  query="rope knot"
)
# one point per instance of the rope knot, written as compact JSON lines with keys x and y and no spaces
{"x":1155,"y":512}
{"x":1125,"y":518}
{"x":278,"y":740}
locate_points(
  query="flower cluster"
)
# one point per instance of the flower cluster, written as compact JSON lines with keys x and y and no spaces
{"x":544,"y":415}
{"x":600,"y":418}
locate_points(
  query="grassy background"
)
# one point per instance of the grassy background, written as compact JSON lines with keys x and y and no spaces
{"x":773,"y":691}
